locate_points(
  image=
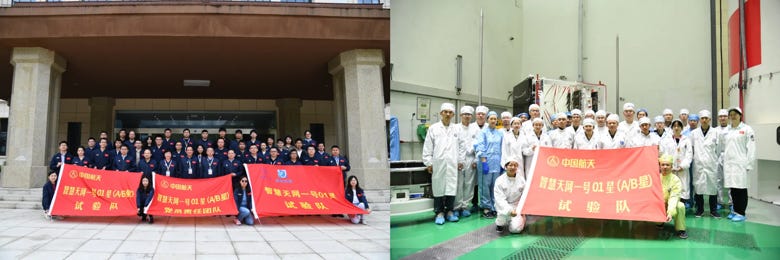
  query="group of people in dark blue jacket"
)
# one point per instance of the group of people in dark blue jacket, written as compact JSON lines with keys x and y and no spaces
{"x":194,"y":158}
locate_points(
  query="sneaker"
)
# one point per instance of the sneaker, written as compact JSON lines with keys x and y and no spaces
{"x":714,"y":214}
{"x":465,"y":213}
{"x":490,"y":215}
{"x":719,"y":207}
{"x":439,"y":220}
{"x":738,"y":218}
{"x":456,"y":213}
{"x":363,"y":221}
{"x":238,"y":222}
{"x":499,"y":229}
{"x":731,"y":216}
{"x":698,"y":215}
{"x":660,"y":226}
{"x":486,"y":214}
{"x":682,"y":234}
{"x":452,"y":218}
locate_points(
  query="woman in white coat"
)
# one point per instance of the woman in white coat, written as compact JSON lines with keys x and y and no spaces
{"x":440,"y":155}
{"x":508,"y":190}
{"x":679,"y":146}
{"x":535,"y":138}
{"x":738,"y":156}
{"x":513,"y":144}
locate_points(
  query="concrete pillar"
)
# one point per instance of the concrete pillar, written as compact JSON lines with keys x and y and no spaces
{"x":101,"y":116}
{"x":359,"y":106}
{"x":289,"y":112}
{"x":33,"y":116}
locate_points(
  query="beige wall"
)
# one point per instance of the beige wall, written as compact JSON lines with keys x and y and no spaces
{"x":312,"y":111}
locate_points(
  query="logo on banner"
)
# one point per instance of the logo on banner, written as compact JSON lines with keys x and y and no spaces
{"x":73,"y":174}
{"x":281,"y":173}
{"x":164,"y":184}
{"x":553,"y":161}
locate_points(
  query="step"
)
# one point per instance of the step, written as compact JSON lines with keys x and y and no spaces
{"x":20,"y":191}
{"x":20,"y":205}
{"x":20,"y":197}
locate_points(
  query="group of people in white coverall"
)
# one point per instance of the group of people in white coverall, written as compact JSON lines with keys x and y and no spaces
{"x":709,"y":160}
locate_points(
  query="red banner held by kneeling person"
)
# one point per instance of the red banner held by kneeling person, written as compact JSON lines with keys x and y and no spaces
{"x":83,"y":191}
{"x":622,"y":184}
{"x":298,"y":190}
{"x":192,"y":197}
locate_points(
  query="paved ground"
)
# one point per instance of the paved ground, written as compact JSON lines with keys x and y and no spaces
{"x":25,"y":234}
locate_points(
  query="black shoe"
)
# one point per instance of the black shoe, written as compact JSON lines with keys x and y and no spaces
{"x":715,"y":214}
{"x":699,"y":214}
{"x":660,"y":226}
{"x":486,"y":214}
{"x":491,"y":215}
{"x":682,"y":234}
{"x":499,"y":229}
{"x":144,"y":219}
{"x":151,"y":220}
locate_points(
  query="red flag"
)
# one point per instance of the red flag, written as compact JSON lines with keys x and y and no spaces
{"x":192,"y":197}
{"x":603,"y":184}
{"x":298,"y":190}
{"x":83,"y":191}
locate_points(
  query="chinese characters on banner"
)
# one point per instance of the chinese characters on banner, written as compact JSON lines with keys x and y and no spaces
{"x":83,"y":191}
{"x":621,"y":184}
{"x":298,"y":190}
{"x":192,"y":197}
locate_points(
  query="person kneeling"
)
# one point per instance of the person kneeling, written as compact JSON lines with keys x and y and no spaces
{"x":243,"y":195}
{"x":672,"y":186}
{"x":48,"y":196}
{"x":144,"y":195}
{"x":507,"y":192}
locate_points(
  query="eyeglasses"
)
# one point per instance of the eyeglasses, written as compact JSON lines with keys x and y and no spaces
{"x":243,"y":180}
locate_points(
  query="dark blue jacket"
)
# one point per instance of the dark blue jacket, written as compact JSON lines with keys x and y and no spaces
{"x":313,"y":160}
{"x":342,"y":161}
{"x":234,"y":145}
{"x":56,"y":159}
{"x":158,"y":153}
{"x":178,"y":156}
{"x":308,"y":142}
{"x":142,"y":199}
{"x":279,"y":160}
{"x":214,"y":164}
{"x":205,"y":143}
{"x":187,"y":163}
{"x":322,"y":156}
{"x":169,"y":144}
{"x":86,"y":162}
{"x":236,"y":166}
{"x":221,"y":153}
{"x":290,"y":162}
{"x":48,"y":194}
{"x":239,"y":193}
{"x":187,"y":142}
{"x":172,"y":166}
{"x":126,"y":164}
{"x":147,"y":167}
{"x":248,"y":159}
{"x":256,"y":142}
{"x":101,"y":159}
{"x":130,"y":144}
{"x":360,"y":194}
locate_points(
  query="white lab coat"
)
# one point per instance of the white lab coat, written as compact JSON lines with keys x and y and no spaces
{"x":607,"y":141}
{"x":507,"y":192}
{"x":582,"y":142}
{"x":739,"y":154}
{"x":533,"y":140}
{"x":640,"y":139}
{"x":682,"y":153}
{"x":528,"y":127}
{"x":705,"y":161}
{"x":561,"y":138}
{"x":440,"y":150}
{"x":600,"y":129}
{"x":512,"y":147}
{"x":628,"y":129}
{"x":467,"y":178}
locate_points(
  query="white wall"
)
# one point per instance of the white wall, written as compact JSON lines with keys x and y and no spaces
{"x":664,"y":48}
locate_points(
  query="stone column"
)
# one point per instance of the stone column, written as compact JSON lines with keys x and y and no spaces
{"x":101,"y":117}
{"x":289,"y":115}
{"x":359,"y":106}
{"x":33,"y":116}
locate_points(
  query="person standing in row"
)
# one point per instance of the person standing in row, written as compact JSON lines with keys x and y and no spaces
{"x":706,"y":150}
{"x":467,"y":176}
{"x":209,"y":164}
{"x":168,"y":166}
{"x":340,"y":161}
{"x":679,"y":147}
{"x":488,"y":150}
{"x":440,"y":156}
{"x":60,"y":158}
{"x":101,"y":157}
{"x":738,"y":158}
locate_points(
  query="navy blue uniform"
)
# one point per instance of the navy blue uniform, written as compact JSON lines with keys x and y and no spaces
{"x":322,"y":156}
{"x":170,"y":168}
{"x":307,"y":142}
{"x":249,"y":159}
{"x":234,"y":166}
{"x":278,"y":161}
{"x":221,"y":153}
{"x":101,"y":159}
{"x":361,"y":196}
{"x":206,"y":143}
{"x":234,"y":145}
{"x":190,"y":168}
{"x":187,"y":142}
{"x":124,"y":164}
{"x":178,"y":155}
{"x":238,"y":195}
{"x":313,"y":160}
{"x":58,"y":158}
{"x":256,"y":142}
{"x":169,"y":144}
{"x":212,"y":164}
{"x":341,"y":161}
{"x":129,"y":143}
{"x":147,"y":167}
{"x":82,"y":161}
{"x":48,"y":195}
{"x":290,"y":162}
{"x":158,"y":153}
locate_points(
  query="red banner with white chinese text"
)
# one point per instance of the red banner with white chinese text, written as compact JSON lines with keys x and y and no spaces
{"x":298,"y":190}
{"x":83,"y":191}
{"x":192,"y":197}
{"x":621,"y":184}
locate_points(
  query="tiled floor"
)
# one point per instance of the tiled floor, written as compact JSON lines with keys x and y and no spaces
{"x":25,"y":234}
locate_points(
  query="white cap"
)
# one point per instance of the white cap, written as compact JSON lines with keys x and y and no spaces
{"x":506,"y":114}
{"x":590,"y":112}
{"x":447,"y":106}
{"x":560,"y":115}
{"x":613,"y":117}
{"x":739,"y":110}
{"x":628,"y":106}
{"x":537,"y":120}
{"x":658,"y":119}
{"x":705,"y":113}
{"x":532,"y":106}
{"x":467,"y":110}
{"x":683,"y":111}
{"x":513,"y":120}
{"x":576,"y":112}
{"x":644,"y":120}
{"x":668,"y":112}
{"x":723,"y":112}
{"x":482,"y":109}
{"x":589,"y":121}
{"x":601,"y":113}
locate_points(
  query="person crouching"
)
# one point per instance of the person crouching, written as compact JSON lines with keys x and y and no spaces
{"x":507,"y":192}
